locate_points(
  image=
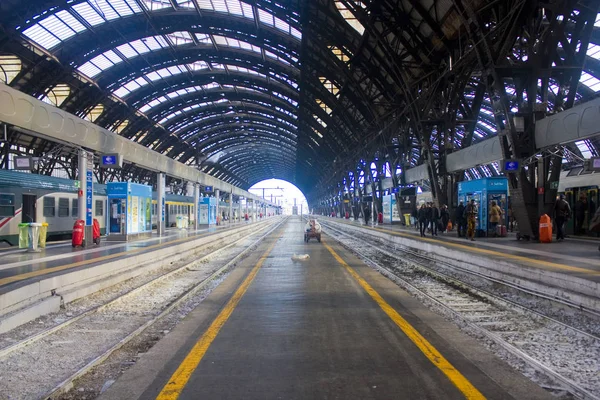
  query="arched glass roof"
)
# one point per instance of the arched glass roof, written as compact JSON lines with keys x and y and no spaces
{"x":314,"y":84}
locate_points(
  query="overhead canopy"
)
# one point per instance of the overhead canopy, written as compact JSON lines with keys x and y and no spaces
{"x":250,"y":90}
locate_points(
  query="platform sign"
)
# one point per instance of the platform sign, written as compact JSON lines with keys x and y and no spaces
{"x":23,"y":163}
{"x":89,"y":191}
{"x":111,"y":161}
{"x":208,"y":189}
{"x":595,"y":164}
{"x":511,"y":165}
{"x":395,"y":190}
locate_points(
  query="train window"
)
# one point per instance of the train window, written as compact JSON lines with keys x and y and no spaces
{"x":63,"y":207}
{"x":75,"y":208}
{"x":99,"y":208}
{"x":49,"y":206}
{"x":7,"y":205}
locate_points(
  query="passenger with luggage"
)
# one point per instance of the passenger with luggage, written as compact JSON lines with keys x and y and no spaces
{"x":444,"y":217}
{"x":562,"y":212}
{"x":471,"y":212}
{"x":495,"y":216}
{"x":435,"y":219}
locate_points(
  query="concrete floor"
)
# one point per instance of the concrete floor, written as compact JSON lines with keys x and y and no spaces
{"x":309,"y":330}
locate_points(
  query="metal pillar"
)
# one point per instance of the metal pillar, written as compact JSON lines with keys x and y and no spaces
{"x":196,"y":206}
{"x":86,"y":199}
{"x":231,"y":207}
{"x":240,"y":209}
{"x":218,"y":196}
{"x":160,"y":204}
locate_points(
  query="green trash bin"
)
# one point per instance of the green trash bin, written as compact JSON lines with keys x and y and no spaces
{"x":43,"y":234}
{"x":23,"y":236}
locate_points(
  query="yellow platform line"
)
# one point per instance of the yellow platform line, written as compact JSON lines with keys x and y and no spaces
{"x":489,"y":252}
{"x":179,"y":379}
{"x":33,"y":274}
{"x":462,"y":383}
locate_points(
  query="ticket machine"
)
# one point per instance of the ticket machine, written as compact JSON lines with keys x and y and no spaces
{"x":130,"y":210}
{"x":484,"y":191}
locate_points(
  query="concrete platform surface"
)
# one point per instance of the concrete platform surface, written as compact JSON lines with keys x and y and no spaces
{"x":328,"y":327}
{"x":19,"y":267}
{"x":574,"y":256}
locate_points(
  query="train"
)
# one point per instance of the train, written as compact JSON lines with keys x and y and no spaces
{"x":27,"y":197}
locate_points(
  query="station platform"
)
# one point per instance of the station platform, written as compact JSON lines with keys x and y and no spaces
{"x":19,"y":267}
{"x":574,"y":256}
{"x":328,"y":327}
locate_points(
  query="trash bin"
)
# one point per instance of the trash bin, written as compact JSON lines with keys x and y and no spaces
{"x":545,"y":229}
{"x":78,"y":231}
{"x":23,"y":235}
{"x":43,"y":235}
{"x":179,"y":222}
{"x":34,"y":236}
{"x":407,"y":219}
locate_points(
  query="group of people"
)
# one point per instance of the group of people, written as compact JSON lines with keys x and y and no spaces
{"x":432,"y":219}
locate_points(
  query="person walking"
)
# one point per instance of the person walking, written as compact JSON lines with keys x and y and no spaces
{"x":581,"y":207}
{"x":562,"y":212}
{"x":422,"y":219}
{"x":471,"y":212}
{"x":459,"y":216}
{"x":435,"y":219}
{"x":495,"y":216}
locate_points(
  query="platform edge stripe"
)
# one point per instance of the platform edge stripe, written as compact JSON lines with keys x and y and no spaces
{"x":490,"y":252}
{"x":181,"y":376}
{"x":42,"y":272}
{"x":458,"y":379}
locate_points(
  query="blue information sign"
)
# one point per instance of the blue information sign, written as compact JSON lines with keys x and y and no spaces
{"x":511,"y":165}
{"x":109,"y":160}
{"x":88,"y":197}
{"x":208,"y":189}
{"x":395,"y":190}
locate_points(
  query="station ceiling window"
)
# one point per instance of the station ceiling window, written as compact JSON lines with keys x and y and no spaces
{"x":57,"y":95}
{"x":120,"y":127}
{"x":349,"y":15}
{"x":342,"y":55}
{"x":10,"y":66}
{"x":94,"y":113}
{"x":330,"y":86}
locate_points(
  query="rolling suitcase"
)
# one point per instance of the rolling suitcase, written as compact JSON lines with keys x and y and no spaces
{"x":501,"y":230}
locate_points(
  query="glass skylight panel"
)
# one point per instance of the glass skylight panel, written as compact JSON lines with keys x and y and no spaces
{"x":86,"y":11}
{"x":594,"y":51}
{"x":121,"y":92}
{"x":59,"y":28}
{"x":105,"y":9}
{"x":159,"y":4}
{"x":584,"y":149}
{"x":41,"y":36}
{"x":127,"y":50}
{"x":590,"y":81}
{"x":202,"y":38}
{"x":179,"y":38}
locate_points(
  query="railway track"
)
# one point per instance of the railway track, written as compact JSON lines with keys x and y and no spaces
{"x":71,"y":348}
{"x":560,"y":357}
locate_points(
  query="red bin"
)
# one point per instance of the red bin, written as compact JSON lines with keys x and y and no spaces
{"x":380,"y":218}
{"x":545,"y":229}
{"x":78,"y":229}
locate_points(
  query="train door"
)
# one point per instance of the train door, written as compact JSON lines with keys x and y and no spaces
{"x":28,"y":212}
{"x":593,"y":198}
